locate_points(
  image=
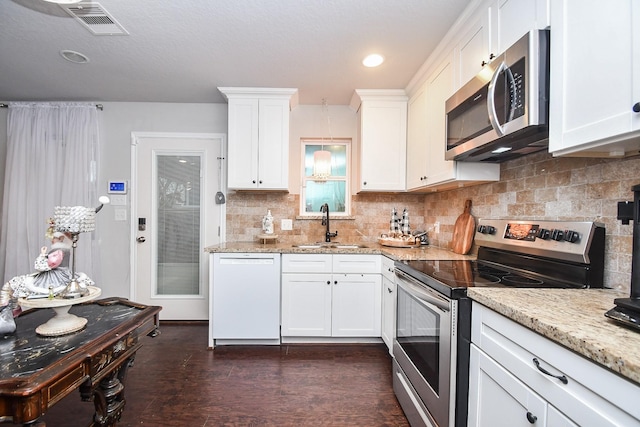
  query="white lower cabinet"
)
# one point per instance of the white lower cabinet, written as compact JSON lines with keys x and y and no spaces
{"x":500,"y":399}
{"x":336,"y":302}
{"x":520,"y":378}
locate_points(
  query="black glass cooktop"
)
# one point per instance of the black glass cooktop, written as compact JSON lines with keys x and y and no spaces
{"x":452,"y":278}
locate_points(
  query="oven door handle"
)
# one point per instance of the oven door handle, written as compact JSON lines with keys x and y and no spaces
{"x":419,"y":289}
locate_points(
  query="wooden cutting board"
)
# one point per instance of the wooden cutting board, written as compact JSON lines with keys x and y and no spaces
{"x":463,"y":231}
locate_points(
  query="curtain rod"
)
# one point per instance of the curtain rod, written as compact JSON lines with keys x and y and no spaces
{"x":98,"y":106}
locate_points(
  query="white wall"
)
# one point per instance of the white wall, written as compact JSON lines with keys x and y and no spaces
{"x":119,"y":119}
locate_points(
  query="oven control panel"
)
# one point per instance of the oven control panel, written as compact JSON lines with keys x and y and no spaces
{"x":569,"y":240}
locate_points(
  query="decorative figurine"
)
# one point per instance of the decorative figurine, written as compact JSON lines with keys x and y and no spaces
{"x":52,"y":272}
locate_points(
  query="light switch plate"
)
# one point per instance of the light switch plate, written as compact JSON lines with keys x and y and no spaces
{"x":286,"y":224}
{"x":121,"y":214}
{"x":118,"y":200}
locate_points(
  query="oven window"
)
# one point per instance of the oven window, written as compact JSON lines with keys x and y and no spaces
{"x":418,"y":333}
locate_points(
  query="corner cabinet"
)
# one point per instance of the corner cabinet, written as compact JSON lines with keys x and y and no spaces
{"x":258,"y":140}
{"x":331,"y":295}
{"x":383,"y":138}
{"x":595,"y":80}
{"x":518,"y":377}
{"x":427,"y":168}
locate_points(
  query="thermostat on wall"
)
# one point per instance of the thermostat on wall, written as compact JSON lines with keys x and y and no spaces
{"x":117,"y":187}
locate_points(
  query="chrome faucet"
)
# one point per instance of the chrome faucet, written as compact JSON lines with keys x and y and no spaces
{"x":325,"y":221}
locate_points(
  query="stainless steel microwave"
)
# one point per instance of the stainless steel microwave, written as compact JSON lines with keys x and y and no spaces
{"x":503,"y":112}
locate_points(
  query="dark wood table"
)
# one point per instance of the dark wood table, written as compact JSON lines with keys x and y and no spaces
{"x":36,"y":371}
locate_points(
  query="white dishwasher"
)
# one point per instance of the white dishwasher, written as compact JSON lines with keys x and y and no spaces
{"x":245,"y":299}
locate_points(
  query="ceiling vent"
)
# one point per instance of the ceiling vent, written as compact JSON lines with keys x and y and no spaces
{"x":95,"y":18}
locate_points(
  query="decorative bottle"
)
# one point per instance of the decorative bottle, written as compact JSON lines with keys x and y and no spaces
{"x":405,"y":222}
{"x":267,"y":223}
{"x":393,"y":223}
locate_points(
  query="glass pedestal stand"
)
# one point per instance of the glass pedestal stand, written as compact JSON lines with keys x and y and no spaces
{"x":62,"y":322}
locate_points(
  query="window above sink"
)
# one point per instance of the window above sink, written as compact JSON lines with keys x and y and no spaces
{"x":333,"y":189}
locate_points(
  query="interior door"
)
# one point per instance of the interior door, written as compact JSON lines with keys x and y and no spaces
{"x":175,"y":214}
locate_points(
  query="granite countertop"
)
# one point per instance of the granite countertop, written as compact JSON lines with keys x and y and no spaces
{"x":573,"y":318}
{"x":425,"y":252}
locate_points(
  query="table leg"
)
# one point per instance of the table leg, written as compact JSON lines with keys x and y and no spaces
{"x":108,"y":396}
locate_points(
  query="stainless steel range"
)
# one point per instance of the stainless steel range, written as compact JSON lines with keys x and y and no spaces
{"x":433,"y":328}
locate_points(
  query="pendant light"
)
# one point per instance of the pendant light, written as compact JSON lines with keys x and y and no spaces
{"x":322,"y":157}
{"x":322,"y":164}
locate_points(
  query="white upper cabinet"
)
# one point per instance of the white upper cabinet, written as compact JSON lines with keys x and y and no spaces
{"x":383,"y":138}
{"x":258,"y":151}
{"x":474,"y":49}
{"x":595,"y":78}
{"x":427,"y":168}
{"x":512,"y":19}
{"x":492,"y":29}
{"x":417,"y":140}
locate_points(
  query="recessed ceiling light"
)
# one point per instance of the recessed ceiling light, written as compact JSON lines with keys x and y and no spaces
{"x":73,"y":56}
{"x":373,"y":60}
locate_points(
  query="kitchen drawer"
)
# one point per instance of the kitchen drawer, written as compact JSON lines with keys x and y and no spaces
{"x":592,"y":395}
{"x":388,"y":268}
{"x":307,"y":263}
{"x":354,"y":263}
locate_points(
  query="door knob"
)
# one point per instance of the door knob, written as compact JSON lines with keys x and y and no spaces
{"x":141,"y":239}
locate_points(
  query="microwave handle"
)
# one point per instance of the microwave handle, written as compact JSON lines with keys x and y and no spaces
{"x":491,"y":98}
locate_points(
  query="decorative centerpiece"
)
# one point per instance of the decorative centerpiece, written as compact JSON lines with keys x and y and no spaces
{"x":74,"y":220}
{"x":62,"y":322}
{"x":55,"y":285}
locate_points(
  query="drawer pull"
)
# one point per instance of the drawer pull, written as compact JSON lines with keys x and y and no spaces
{"x":562,"y":378}
{"x":531,"y":418}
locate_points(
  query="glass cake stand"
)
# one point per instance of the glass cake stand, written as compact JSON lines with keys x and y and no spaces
{"x":62,"y":322}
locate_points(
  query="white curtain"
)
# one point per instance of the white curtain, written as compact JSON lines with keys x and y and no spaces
{"x":52,"y":160}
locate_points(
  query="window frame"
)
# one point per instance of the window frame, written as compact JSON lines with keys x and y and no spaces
{"x":347,"y":143}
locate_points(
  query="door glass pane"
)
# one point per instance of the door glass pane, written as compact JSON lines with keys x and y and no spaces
{"x":178,"y":218}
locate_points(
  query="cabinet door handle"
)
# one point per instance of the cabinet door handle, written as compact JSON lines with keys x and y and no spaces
{"x":636,"y":107}
{"x":335,"y":282}
{"x":562,"y":378}
{"x":328,"y":282}
{"x":389,"y":290}
{"x":254,"y":181}
{"x":531,"y":418}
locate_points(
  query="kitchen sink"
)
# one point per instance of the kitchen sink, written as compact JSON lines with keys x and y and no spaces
{"x":318,"y":245}
{"x":313,"y":245}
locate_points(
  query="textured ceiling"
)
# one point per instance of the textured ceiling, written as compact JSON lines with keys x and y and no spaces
{"x":182,"y":50}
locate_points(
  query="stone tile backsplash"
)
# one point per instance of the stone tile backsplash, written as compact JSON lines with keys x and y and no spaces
{"x":536,"y":186}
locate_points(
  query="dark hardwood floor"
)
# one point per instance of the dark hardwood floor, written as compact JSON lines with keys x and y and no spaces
{"x":177,"y":381}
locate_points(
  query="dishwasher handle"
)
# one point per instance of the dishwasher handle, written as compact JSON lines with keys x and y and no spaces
{"x":246,"y":259}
